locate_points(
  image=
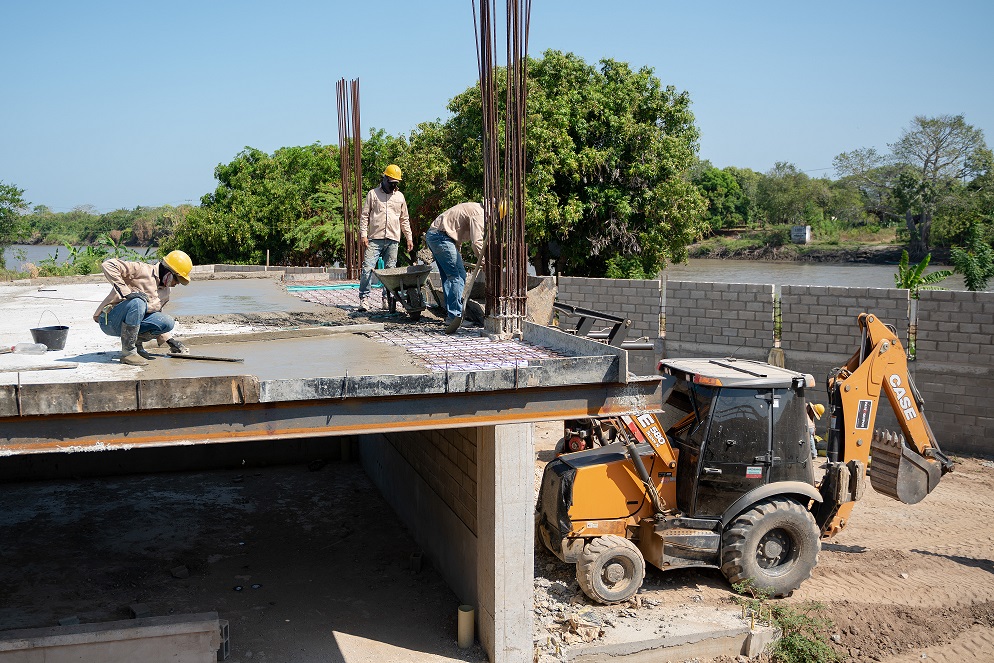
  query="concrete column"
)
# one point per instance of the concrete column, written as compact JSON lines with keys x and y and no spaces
{"x":505,"y":541}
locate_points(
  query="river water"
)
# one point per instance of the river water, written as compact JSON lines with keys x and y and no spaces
{"x":722,"y":271}
{"x":35,"y":253}
{"x":779,"y":273}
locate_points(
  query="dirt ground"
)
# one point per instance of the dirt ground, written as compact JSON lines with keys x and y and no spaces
{"x":901,"y":583}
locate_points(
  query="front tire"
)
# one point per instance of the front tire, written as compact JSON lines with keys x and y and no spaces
{"x":610,"y":569}
{"x":775,"y":544}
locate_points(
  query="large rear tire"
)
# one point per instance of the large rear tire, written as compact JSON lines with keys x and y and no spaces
{"x":610,"y":569}
{"x":775,"y":544}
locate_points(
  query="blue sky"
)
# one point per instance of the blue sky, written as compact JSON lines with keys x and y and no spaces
{"x":119,"y":104}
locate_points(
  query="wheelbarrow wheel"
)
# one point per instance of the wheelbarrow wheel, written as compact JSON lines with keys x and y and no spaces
{"x":415,"y":303}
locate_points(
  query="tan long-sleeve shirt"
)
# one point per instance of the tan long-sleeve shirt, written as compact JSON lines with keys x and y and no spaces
{"x":384,"y":216}
{"x":463,"y":223}
{"x":126,"y":276}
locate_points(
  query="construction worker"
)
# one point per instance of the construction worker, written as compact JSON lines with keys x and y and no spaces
{"x":133,"y":309}
{"x":384,"y":217}
{"x":814,"y":412}
{"x":445,"y":236}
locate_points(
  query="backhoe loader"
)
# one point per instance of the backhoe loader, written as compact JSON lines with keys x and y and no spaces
{"x":722,"y":475}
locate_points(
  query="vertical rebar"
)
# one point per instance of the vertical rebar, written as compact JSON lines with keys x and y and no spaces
{"x":350,"y":162}
{"x":504,"y":163}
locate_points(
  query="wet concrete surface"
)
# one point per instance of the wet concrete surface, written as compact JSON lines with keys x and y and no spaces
{"x":312,"y":357}
{"x":234,"y":296}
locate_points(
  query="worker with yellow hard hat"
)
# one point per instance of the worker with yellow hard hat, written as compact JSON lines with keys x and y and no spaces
{"x":814,"y":412}
{"x":133,"y":309}
{"x":383,"y":219}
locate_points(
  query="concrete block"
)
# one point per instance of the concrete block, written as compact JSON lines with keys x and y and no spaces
{"x":189,"y":638}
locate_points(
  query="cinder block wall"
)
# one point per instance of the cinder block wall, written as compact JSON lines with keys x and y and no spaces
{"x":446,"y":460}
{"x":718,"y":319}
{"x":820,"y":333}
{"x":429,"y":479}
{"x":954,"y":370}
{"x":626,"y":298}
{"x":639,"y":301}
{"x":822,"y":319}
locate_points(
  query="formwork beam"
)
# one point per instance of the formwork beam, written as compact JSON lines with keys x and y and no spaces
{"x":330,"y":416}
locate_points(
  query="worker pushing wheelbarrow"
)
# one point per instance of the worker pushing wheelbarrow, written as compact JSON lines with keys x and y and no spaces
{"x":403,"y":284}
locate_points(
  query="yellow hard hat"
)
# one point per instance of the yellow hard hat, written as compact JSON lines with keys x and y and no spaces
{"x":818,"y":409}
{"x":393,"y":172}
{"x":180,"y":265}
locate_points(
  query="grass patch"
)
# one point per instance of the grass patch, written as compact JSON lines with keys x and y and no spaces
{"x":804,"y":630}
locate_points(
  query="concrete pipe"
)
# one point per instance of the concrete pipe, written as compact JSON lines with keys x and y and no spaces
{"x":467,"y":617}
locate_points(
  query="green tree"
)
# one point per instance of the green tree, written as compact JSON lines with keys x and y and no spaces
{"x":263,"y":202}
{"x":975,"y":260}
{"x":914,"y":278}
{"x":11,"y":205}
{"x":728,"y":206}
{"x":923,"y":174}
{"x":783,"y":195}
{"x":609,"y":150}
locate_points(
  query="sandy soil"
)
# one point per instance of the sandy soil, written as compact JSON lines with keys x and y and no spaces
{"x":902,"y":583}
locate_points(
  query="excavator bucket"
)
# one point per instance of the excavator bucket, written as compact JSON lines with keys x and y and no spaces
{"x":900,"y":472}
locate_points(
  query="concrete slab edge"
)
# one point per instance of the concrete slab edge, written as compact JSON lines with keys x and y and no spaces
{"x":560,"y":341}
{"x":56,"y":636}
{"x":668,"y":643}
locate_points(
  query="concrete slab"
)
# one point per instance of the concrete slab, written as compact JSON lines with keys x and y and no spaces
{"x":218,"y":297}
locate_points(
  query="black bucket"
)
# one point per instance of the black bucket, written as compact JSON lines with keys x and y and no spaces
{"x":54,"y":337}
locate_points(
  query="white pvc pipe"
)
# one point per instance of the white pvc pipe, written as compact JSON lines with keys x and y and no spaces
{"x":467,"y":617}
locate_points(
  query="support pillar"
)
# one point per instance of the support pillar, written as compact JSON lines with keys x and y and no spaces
{"x":505,"y":541}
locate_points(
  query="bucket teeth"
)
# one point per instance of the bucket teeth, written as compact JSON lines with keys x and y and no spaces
{"x":885,"y":461}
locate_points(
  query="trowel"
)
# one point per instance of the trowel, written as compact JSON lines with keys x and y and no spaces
{"x":199,"y":357}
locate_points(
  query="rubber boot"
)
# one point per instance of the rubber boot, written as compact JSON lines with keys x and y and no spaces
{"x":129,"y":354}
{"x":143,"y":338}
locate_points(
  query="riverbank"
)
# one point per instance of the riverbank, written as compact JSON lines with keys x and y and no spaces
{"x":869,"y":254}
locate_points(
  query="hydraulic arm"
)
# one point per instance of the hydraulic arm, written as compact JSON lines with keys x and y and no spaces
{"x":905,"y":466}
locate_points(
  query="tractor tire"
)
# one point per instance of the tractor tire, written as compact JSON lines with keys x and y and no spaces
{"x":610,"y":569}
{"x":775,"y":544}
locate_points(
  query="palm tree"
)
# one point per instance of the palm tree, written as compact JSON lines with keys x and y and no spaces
{"x":914,"y":279}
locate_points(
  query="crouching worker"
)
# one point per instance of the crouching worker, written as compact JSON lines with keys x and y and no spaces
{"x":445,"y":236}
{"x":133,"y":309}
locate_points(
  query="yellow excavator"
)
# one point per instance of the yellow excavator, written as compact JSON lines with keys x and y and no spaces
{"x":722,"y":475}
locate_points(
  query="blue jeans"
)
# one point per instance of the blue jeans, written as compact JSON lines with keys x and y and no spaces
{"x":450,"y":268}
{"x":134,"y":312}
{"x":387,"y":248}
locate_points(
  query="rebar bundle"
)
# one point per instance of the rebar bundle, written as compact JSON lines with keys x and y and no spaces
{"x":506,"y":267}
{"x":350,"y":155}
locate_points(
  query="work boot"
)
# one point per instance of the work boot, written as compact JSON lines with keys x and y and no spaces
{"x":129,"y":353}
{"x":452,"y":324}
{"x":364,"y":304}
{"x":143,"y":338}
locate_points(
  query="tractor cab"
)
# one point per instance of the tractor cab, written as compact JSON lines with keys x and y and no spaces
{"x":737,"y":425}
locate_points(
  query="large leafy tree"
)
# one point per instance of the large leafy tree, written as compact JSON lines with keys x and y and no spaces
{"x":11,"y":205}
{"x":288,"y":203}
{"x":728,"y":205}
{"x":609,"y":150}
{"x":923,"y":174}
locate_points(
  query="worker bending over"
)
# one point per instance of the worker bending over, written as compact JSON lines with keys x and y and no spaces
{"x":384,"y":217}
{"x":133,"y":309}
{"x":462,"y":223}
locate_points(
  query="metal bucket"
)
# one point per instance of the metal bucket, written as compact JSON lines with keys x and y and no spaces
{"x":53,"y":337}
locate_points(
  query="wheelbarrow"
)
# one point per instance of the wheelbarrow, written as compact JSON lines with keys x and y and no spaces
{"x":403,"y":284}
